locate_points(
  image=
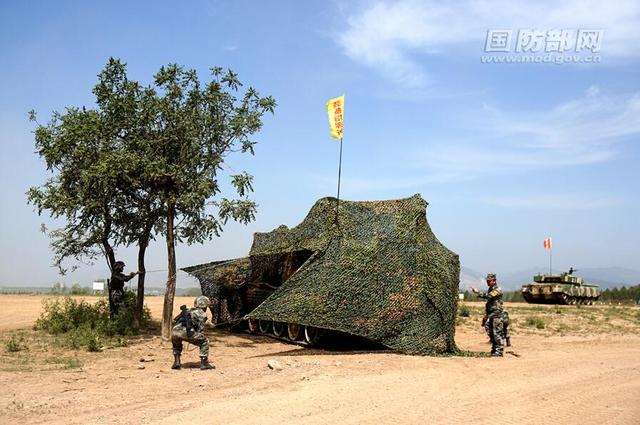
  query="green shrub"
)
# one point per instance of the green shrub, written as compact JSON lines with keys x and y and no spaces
{"x":535,"y":321}
{"x":15,"y":344}
{"x":463,"y":310}
{"x":81,"y":324}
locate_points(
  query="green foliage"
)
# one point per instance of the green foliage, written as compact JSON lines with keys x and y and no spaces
{"x":168,"y":143}
{"x":144,"y":157}
{"x":557,"y":310}
{"x":463,"y":310}
{"x":535,"y":321}
{"x":15,"y":344}
{"x":80,"y":324}
{"x":624,"y":294}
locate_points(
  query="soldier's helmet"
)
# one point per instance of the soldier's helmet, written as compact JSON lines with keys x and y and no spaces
{"x":118,"y":266}
{"x":201,"y":302}
{"x":491,"y":276}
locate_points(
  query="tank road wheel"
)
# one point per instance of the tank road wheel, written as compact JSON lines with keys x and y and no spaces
{"x":294,"y":331}
{"x":565,"y":299}
{"x":279,"y":329}
{"x":572,"y":300}
{"x":253,"y":325}
{"x":264,"y":326}
{"x":312,"y":335}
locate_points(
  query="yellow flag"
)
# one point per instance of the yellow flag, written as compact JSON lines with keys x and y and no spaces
{"x":335,"y":109}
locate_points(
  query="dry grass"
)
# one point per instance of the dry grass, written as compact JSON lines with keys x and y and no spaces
{"x":562,"y":320}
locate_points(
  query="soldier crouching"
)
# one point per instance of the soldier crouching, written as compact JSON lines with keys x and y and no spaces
{"x":189,"y":326}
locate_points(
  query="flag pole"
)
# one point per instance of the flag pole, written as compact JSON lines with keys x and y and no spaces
{"x":339,"y":174}
{"x":550,"y":258}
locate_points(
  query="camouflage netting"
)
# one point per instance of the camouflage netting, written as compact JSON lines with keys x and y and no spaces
{"x":380,"y":274}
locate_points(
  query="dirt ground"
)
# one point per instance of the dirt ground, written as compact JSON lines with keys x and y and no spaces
{"x":573,"y":365}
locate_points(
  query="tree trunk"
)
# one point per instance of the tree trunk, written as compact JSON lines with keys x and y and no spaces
{"x":108,"y":250}
{"x":167,"y":312}
{"x":142,"y":248}
{"x":106,"y":232}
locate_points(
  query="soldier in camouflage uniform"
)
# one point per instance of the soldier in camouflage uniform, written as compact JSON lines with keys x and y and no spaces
{"x":495,"y":315}
{"x":116,"y":287}
{"x":188,"y":328}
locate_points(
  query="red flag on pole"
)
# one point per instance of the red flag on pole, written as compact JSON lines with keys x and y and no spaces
{"x":547,"y":243}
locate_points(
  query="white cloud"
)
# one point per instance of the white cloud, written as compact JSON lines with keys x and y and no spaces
{"x":391,"y":36}
{"x":583,"y":131}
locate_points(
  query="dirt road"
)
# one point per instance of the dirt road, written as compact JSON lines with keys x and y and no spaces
{"x":560,"y":377}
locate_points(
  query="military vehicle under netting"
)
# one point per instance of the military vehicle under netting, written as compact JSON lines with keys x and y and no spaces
{"x":560,"y":289}
{"x":370,"y":269}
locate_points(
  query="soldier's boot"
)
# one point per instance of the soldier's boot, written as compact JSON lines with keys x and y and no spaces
{"x":204,"y":364}
{"x":176,"y":362}
{"x":498,"y":351}
{"x":508,"y":340}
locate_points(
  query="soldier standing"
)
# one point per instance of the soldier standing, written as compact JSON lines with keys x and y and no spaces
{"x":116,"y":287}
{"x":188,"y":328}
{"x":495,"y":315}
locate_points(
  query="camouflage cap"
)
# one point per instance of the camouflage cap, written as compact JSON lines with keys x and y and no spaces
{"x":491,"y":276}
{"x":201,"y":302}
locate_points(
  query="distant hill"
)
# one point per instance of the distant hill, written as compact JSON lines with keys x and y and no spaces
{"x":606,"y":277}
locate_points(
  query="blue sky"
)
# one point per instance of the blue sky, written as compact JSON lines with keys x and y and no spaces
{"x":506,"y":154}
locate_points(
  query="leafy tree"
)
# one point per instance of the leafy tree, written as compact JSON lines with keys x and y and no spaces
{"x":145,"y":159}
{"x":94,"y":186}
{"x":197,"y":127}
{"x":80,"y":191}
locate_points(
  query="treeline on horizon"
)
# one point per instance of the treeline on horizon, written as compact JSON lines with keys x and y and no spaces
{"x":623,"y":294}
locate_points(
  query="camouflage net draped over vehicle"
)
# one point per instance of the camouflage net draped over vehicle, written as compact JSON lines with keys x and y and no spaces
{"x":379,"y":273}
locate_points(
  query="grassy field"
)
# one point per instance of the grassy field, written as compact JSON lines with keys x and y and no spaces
{"x":548,"y":320}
